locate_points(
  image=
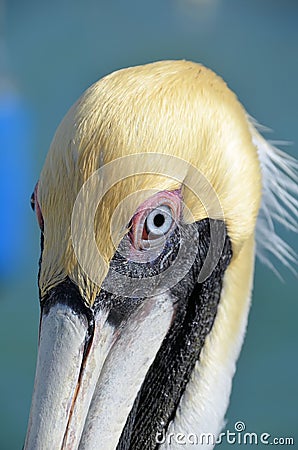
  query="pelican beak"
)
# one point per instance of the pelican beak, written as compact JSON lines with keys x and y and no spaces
{"x":82,"y":365}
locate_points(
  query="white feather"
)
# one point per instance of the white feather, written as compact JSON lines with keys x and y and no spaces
{"x":279,"y":199}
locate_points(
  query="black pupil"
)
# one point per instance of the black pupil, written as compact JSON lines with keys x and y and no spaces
{"x":159,"y":220}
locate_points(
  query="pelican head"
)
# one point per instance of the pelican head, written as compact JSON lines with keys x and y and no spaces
{"x":148,"y":205}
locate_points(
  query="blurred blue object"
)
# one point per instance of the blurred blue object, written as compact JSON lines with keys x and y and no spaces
{"x":15,"y":138}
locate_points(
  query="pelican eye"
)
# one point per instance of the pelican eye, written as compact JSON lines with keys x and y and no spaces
{"x":154,"y":220}
{"x":36,"y":207}
{"x":32,"y":201}
{"x":158,"y":223}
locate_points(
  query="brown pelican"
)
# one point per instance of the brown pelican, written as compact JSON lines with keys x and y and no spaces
{"x":155,"y":192}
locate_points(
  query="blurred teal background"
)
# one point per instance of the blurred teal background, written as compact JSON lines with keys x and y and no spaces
{"x":50,"y":52}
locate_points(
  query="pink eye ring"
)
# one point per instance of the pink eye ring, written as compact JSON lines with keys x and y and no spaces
{"x":155,"y":219}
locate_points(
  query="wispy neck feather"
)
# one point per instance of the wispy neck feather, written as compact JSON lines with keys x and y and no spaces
{"x":279,"y":200}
